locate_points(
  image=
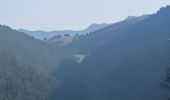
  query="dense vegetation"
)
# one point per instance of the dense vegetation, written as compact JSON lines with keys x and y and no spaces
{"x":21,"y":82}
{"x":25,"y":66}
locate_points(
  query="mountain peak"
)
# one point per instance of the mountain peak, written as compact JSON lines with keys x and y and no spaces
{"x":95,"y":24}
{"x":93,"y":27}
{"x":164,"y":10}
{"x":130,"y":18}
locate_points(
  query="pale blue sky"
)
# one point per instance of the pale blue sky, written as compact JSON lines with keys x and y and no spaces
{"x":71,"y":14}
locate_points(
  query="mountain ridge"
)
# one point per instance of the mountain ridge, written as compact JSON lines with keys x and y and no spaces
{"x":40,"y":34}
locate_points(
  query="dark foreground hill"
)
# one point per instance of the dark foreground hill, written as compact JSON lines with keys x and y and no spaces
{"x":25,"y":66}
{"x":129,"y":67}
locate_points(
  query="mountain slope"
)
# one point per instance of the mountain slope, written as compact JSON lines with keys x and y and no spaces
{"x":25,"y":66}
{"x":129,"y":67}
{"x":86,"y":44}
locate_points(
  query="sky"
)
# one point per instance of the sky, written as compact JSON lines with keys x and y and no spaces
{"x":71,"y":14}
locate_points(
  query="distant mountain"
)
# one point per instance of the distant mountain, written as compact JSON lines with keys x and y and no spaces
{"x":43,"y":34}
{"x":130,"y":66}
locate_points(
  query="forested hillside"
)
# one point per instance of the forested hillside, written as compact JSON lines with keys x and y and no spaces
{"x":25,"y":67}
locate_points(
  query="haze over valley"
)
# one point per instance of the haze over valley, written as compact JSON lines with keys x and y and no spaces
{"x":125,"y":58}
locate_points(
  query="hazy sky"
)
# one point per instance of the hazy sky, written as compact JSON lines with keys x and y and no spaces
{"x":71,"y":14}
